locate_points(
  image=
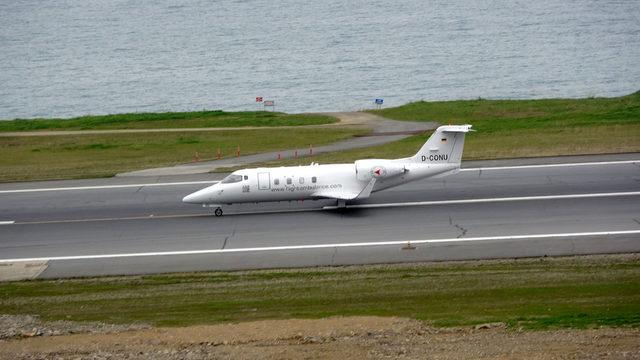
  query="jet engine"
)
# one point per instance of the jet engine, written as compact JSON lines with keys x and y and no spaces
{"x":374,"y":168}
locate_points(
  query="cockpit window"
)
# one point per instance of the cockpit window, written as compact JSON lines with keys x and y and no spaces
{"x":232,"y":179}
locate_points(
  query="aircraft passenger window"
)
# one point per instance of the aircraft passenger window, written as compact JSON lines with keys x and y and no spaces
{"x":301,"y":180}
{"x":289,"y":181}
{"x":246,"y":177}
{"x":232,"y":179}
{"x":276,"y":181}
{"x":314,"y":179}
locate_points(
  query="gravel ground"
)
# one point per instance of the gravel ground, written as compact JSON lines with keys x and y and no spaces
{"x":25,"y":326}
{"x":330,"y":338}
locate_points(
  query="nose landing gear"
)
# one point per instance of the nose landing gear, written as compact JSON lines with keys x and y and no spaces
{"x":218,"y":211}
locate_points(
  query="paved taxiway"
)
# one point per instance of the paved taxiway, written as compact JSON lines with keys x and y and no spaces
{"x":478,"y":213}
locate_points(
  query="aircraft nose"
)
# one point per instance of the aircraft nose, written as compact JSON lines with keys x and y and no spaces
{"x":197,"y":197}
{"x":190,"y":199}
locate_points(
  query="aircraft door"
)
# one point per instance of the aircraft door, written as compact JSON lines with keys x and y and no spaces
{"x":264,"y":181}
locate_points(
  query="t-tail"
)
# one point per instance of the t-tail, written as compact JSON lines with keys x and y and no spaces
{"x":444,"y":146}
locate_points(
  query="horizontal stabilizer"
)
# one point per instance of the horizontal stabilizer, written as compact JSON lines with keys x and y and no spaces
{"x":455,"y":128}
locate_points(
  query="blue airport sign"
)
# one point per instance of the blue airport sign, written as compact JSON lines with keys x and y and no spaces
{"x":379,"y":101}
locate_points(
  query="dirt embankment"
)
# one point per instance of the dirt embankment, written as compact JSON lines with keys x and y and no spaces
{"x":331,"y":338}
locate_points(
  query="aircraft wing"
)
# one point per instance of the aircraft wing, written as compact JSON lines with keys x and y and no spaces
{"x":335,"y":194}
{"x":345,"y":194}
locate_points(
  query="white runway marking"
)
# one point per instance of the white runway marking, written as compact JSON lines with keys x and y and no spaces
{"x":98,"y":187}
{"x":552,"y":165}
{"x":322,"y":246}
{"x":6,"y":222}
{"x":333,"y":207}
{"x":491,"y":200}
{"x":107,"y":187}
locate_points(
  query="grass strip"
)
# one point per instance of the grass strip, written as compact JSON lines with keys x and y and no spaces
{"x":168,"y":120}
{"x":526,"y":128}
{"x":512,"y":129}
{"x":574,"y":292}
{"x":572,"y":141}
{"x":87,"y":156}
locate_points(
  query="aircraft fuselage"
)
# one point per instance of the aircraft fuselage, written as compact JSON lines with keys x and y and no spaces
{"x":302,"y":182}
{"x":440,"y":155}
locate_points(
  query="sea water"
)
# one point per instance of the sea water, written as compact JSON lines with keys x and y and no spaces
{"x":72,"y":57}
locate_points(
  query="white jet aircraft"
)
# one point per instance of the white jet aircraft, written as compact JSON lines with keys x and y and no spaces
{"x":439,"y":156}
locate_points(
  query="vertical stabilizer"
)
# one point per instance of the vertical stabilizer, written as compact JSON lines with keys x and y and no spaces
{"x":444,"y":146}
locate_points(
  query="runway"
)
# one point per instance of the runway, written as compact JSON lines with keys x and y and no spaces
{"x":123,"y":226}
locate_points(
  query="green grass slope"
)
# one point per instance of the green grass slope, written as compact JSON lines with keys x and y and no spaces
{"x":531,"y":293}
{"x":523,"y":128}
{"x":196,"y":119}
{"x":85,"y":156}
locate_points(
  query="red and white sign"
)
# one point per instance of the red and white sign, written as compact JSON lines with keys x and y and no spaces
{"x":269,"y":103}
{"x":258,"y":98}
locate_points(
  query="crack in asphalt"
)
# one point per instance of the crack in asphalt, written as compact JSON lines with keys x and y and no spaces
{"x":459,"y":227}
{"x":233,"y":233}
{"x":463,"y":230}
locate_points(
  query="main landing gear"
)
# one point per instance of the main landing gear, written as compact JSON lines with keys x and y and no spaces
{"x":218,"y":211}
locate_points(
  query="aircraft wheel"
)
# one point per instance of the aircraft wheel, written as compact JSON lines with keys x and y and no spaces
{"x":341,"y":204}
{"x":218,"y":212}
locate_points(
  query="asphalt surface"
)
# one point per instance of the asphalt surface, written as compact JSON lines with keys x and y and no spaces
{"x":507,"y":218}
